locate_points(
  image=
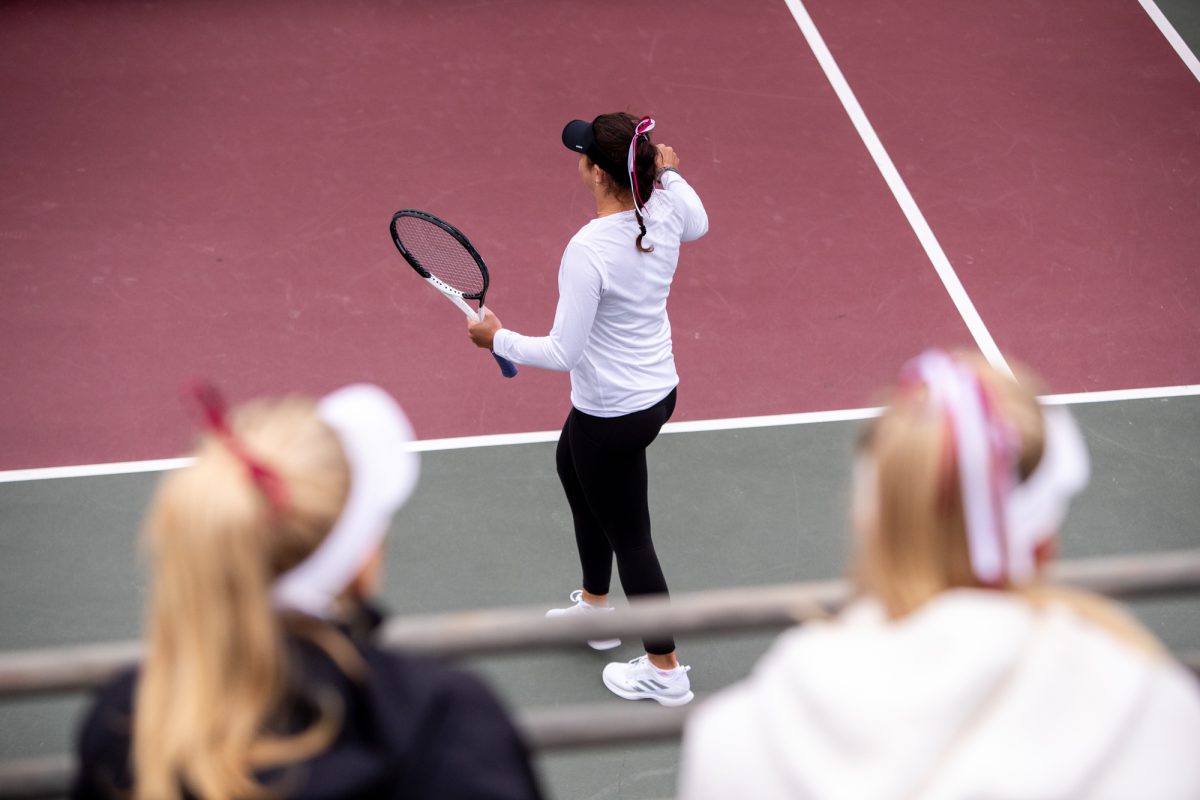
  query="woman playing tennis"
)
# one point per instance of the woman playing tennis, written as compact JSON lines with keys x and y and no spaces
{"x":612,"y":334}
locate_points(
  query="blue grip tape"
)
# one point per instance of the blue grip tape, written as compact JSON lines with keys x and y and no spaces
{"x":507,"y":368}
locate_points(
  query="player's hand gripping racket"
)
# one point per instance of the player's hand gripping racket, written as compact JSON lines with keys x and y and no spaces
{"x":446,"y":260}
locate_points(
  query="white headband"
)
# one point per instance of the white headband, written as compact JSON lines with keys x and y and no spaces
{"x":376,"y":438}
{"x":1006,"y":519}
{"x":1037,"y":506}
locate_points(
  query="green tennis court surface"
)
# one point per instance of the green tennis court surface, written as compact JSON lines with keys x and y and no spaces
{"x":731,"y":508}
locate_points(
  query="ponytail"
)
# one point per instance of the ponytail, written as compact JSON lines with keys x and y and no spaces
{"x":216,"y":667}
{"x":642,"y":227}
{"x":625,"y":139}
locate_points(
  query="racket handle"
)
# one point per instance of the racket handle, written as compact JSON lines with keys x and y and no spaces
{"x":507,"y":368}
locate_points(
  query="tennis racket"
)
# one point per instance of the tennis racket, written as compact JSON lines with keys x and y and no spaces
{"x":446,"y":260}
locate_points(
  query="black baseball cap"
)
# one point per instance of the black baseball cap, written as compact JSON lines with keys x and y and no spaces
{"x":579,"y":137}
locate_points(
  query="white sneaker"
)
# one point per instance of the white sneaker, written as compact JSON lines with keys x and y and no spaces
{"x":582,"y":607}
{"x":640,"y":680}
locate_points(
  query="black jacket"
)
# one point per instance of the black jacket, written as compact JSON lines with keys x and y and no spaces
{"x":412,"y":729}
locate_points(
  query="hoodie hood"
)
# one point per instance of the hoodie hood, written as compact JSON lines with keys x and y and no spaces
{"x":974,"y":695}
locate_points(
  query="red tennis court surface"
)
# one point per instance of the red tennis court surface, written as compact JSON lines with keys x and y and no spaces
{"x":204,"y":188}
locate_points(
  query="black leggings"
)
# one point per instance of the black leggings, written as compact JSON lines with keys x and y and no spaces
{"x":602,"y":466}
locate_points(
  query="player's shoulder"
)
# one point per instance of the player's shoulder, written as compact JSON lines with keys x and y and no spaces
{"x":665,"y":206}
{"x":589,"y":237}
{"x":585,"y":252}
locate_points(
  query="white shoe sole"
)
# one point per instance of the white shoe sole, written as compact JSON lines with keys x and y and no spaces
{"x":682,"y":700}
{"x":595,"y":644}
{"x":604,"y":644}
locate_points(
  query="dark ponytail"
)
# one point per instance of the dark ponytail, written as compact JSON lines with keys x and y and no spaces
{"x":613,"y":133}
{"x":642,"y":228}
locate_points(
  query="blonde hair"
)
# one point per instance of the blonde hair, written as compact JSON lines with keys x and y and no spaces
{"x":216,"y":666}
{"x":912,"y":542}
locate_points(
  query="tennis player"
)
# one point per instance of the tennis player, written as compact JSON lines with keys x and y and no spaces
{"x":261,"y":678}
{"x":611,"y":332}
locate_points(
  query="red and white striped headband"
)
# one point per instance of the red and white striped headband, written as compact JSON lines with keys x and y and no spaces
{"x":985,"y":449}
{"x":643,"y":127}
{"x":1006,"y":518}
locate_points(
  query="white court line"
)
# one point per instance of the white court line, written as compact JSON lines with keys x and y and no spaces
{"x":93,"y":470}
{"x":1168,"y":30}
{"x":983,"y":339}
{"x":694,"y":426}
{"x":1115,"y":395}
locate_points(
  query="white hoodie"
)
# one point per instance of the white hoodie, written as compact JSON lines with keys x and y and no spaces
{"x":975,"y":695}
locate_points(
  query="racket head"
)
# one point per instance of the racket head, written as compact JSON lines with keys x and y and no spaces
{"x":438,"y":250}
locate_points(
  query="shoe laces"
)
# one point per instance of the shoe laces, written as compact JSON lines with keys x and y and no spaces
{"x":577,"y":599}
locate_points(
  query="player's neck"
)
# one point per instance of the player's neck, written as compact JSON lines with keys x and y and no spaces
{"x":610,"y":205}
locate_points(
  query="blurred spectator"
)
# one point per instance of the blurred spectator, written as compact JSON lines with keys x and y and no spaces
{"x":956,"y":674}
{"x":260,"y":678}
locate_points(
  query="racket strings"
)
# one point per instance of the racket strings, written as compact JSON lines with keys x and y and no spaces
{"x":442,"y":255}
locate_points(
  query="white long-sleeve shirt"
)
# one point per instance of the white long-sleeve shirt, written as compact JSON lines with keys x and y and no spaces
{"x":611,"y":330}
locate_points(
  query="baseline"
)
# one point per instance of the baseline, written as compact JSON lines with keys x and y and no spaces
{"x":1168,"y":30}
{"x":539,"y":437}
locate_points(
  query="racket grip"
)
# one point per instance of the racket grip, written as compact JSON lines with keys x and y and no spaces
{"x":507,"y":368}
